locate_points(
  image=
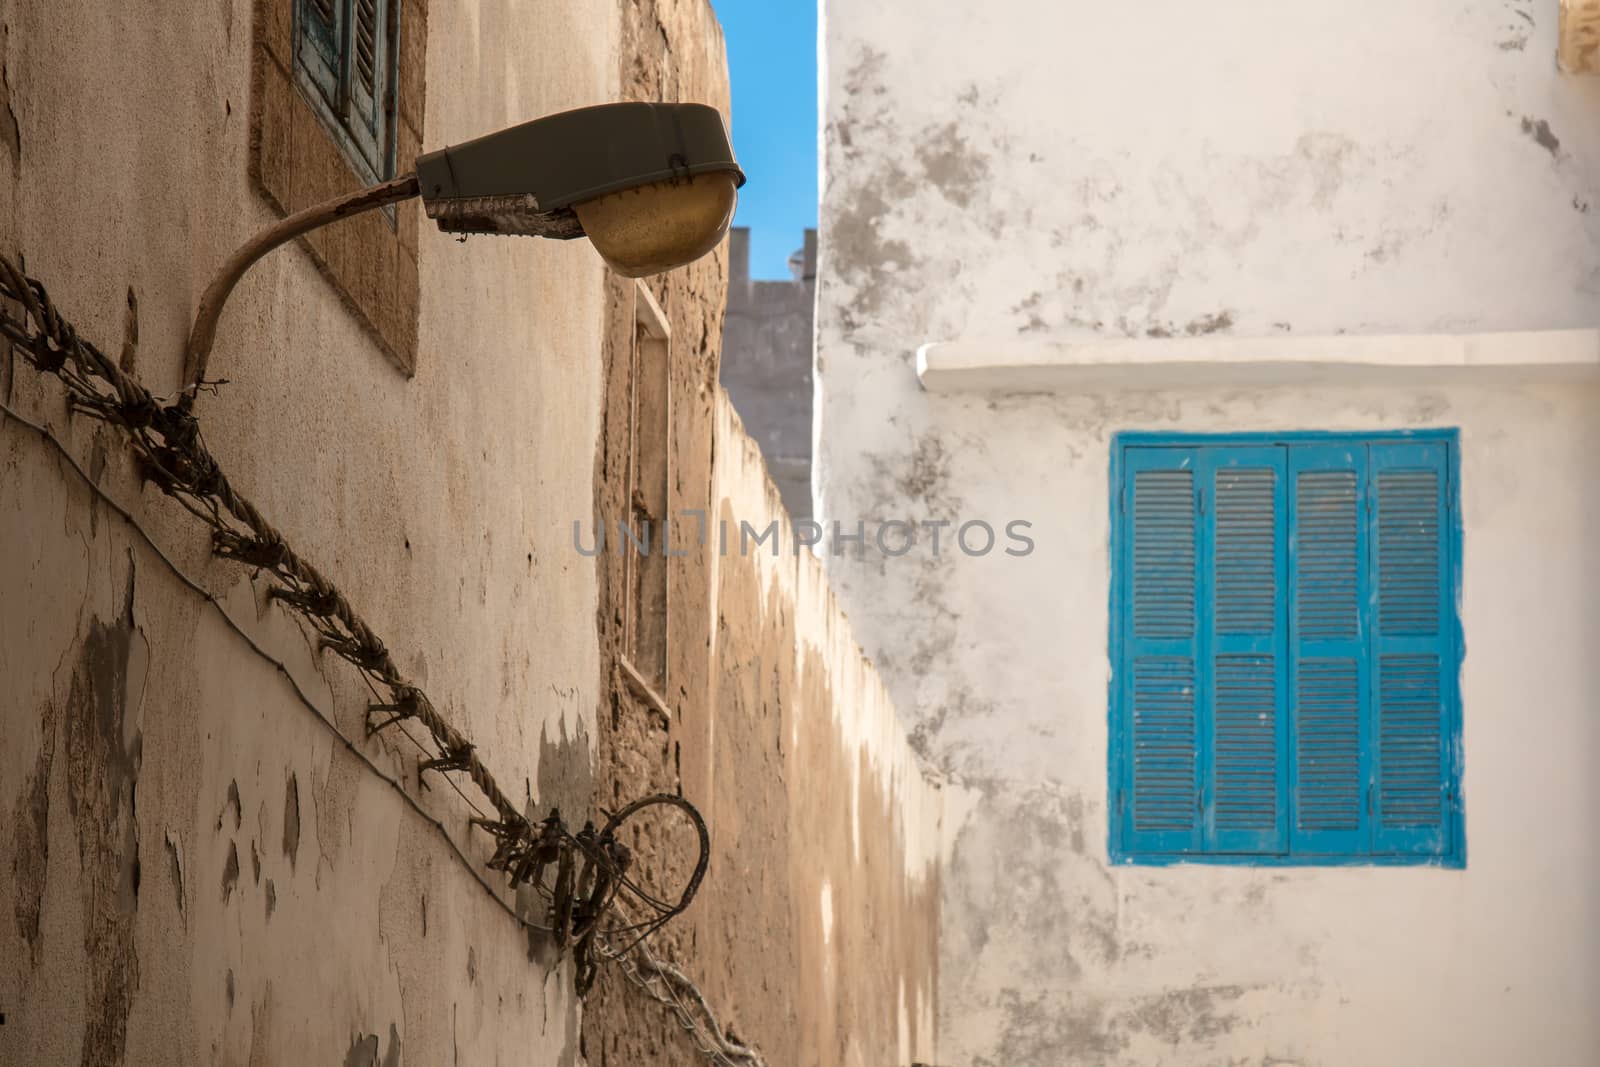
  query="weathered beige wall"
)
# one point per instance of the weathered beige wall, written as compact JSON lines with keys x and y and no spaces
{"x":825,"y":829}
{"x":815,"y":934}
{"x":191,"y":868}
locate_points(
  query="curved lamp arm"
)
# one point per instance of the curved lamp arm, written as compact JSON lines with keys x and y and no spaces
{"x":202,"y":336}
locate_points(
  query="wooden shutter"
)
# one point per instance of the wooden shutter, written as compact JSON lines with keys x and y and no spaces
{"x":1330,"y":769}
{"x":1412,"y":643}
{"x":1159,"y":791}
{"x":319,"y":45}
{"x":369,"y":74}
{"x":1244,"y":728}
{"x":345,"y":53}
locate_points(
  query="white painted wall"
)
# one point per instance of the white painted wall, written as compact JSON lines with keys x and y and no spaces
{"x":1071,"y":171}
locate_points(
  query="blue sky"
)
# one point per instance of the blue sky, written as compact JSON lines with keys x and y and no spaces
{"x":772,"y":64}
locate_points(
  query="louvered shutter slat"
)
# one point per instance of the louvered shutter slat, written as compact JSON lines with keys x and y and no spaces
{"x":1159,"y":684}
{"x":1410,"y":567}
{"x":1327,"y":563}
{"x":366,"y":46}
{"x":368,"y":72}
{"x":1243,"y":729}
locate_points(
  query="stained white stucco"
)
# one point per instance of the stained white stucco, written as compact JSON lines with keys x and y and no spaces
{"x":1075,"y":173}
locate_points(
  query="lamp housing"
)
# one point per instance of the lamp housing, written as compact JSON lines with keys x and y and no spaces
{"x":653,"y":186}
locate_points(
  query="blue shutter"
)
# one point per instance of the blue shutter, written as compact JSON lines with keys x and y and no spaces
{"x":1287,"y":650}
{"x":1159,"y":594}
{"x":1244,"y":725}
{"x":1328,"y":671}
{"x":1412,"y":639}
{"x":319,"y":45}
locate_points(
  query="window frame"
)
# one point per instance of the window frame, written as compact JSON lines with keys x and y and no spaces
{"x":647,"y":491}
{"x":638,"y":674}
{"x":1454,"y":856}
{"x":296,"y":160}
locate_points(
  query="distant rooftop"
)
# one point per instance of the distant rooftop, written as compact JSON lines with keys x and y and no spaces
{"x":766,"y":362}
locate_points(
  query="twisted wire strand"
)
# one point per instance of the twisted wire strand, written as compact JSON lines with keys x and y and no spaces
{"x":670,"y":987}
{"x":167,"y":442}
{"x":174,"y":456}
{"x":277,"y":664}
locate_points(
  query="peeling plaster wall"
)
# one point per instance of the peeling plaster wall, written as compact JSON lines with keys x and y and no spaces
{"x":1167,"y":169}
{"x":192,"y":869}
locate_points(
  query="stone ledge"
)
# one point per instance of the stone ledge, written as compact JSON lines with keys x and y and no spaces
{"x":1012,"y":366}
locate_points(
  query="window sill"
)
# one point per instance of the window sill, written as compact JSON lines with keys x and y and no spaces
{"x":1013,"y":366}
{"x":643,"y":690}
{"x":1253,"y":859}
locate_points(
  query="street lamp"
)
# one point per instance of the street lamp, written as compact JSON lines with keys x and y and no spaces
{"x":653,"y":186}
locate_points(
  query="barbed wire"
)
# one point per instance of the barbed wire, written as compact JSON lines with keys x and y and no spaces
{"x":591,"y":867}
